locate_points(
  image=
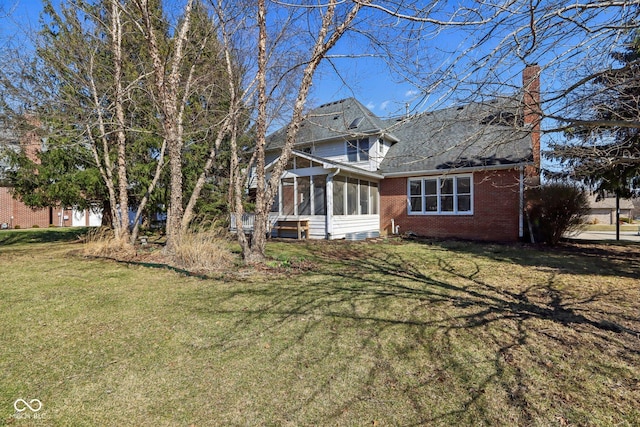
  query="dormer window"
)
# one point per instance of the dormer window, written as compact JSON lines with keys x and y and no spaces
{"x":356,"y":122}
{"x":358,"y":150}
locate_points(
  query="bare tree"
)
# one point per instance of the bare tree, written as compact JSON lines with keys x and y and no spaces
{"x":488,"y":46}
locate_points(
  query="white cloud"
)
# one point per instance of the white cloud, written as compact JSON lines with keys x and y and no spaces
{"x":371,"y":106}
{"x":384,"y":105}
{"x":410,"y":93}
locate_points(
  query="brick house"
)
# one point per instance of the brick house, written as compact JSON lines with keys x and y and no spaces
{"x":15,"y":214}
{"x":458,"y":172}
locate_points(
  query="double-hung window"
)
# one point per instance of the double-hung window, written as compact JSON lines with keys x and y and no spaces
{"x":358,"y":150}
{"x":445,"y":195}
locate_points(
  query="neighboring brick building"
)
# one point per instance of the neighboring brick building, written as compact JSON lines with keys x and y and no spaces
{"x":15,"y":214}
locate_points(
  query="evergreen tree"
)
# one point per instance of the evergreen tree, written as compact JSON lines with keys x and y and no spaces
{"x":604,"y":153}
{"x":70,"y":86}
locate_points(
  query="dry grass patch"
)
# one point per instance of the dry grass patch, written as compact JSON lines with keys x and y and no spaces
{"x":102,"y":242}
{"x":199,"y":252}
{"x":204,"y":252}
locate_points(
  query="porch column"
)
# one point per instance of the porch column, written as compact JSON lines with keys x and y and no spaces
{"x":329,"y":213}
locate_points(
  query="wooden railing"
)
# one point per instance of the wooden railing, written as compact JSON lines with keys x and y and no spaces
{"x":247,"y":222}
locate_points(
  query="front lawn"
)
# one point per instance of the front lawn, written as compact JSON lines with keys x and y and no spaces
{"x":389,"y":333}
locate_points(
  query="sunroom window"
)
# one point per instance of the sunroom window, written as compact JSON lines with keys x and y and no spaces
{"x":354,"y":196}
{"x":301,"y":195}
{"x":441,"y":195}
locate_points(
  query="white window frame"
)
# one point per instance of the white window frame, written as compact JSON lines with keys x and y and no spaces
{"x":371,"y":200}
{"x":359,"y":151}
{"x":439,"y":180}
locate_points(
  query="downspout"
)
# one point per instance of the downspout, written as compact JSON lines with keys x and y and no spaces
{"x":329,"y":195}
{"x":521,"y":214}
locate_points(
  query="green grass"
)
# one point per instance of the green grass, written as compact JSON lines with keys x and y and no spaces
{"x":396,"y":333}
{"x":34,"y":235}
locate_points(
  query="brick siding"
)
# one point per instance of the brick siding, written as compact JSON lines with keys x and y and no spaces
{"x":23,"y":216}
{"x":496,"y":206}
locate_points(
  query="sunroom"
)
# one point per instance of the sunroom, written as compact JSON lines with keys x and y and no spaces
{"x":328,"y":199}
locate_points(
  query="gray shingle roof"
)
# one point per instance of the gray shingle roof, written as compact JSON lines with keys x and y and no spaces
{"x":332,"y":121}
{"x":476,"y":135}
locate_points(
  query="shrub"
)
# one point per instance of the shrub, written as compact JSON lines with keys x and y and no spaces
{"x":553,"y":210}
{"x":35,"y":226}
{"x":16,"y":227}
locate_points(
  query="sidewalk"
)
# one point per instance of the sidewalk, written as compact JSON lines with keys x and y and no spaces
{"x":627,"y":236}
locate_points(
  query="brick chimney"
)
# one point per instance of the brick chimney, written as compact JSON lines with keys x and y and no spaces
{"x":30,"y":140}
{"x":532,"y":113}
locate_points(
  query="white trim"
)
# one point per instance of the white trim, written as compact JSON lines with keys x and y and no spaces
{"x":329,"y":210}
{"x":325,"y":164}
{"x":290,"y":173}
{"x":452,"y":171}
{"x":438,"y":179}
{"x":359,"y":134}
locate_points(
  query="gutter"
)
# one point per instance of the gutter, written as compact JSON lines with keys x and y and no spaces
{"x":521,"y":212}
{"x":455,"y":170}
{"x":345,"y":137}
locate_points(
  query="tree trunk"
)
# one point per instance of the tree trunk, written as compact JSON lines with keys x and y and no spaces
{"x":265,"y":193}
{"x":150,"y":189}
{"x":211,"y":160}
{"x":167,"y":95}
{"x":617,"y":215}
{"x":123,"y":184}
{"x":175,"y":211}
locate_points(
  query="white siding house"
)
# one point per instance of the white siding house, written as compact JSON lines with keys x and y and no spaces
{"x":351,"y":173}
{"x":331,"y":182}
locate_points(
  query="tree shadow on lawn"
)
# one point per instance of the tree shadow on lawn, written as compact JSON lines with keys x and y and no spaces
{"x":484,"y":304}
{"x":390,"y":307}
{"x":573,"y":257}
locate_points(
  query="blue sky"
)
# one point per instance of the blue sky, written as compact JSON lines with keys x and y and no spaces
{"x":19,"y":16}
{"x":367,"y":79}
